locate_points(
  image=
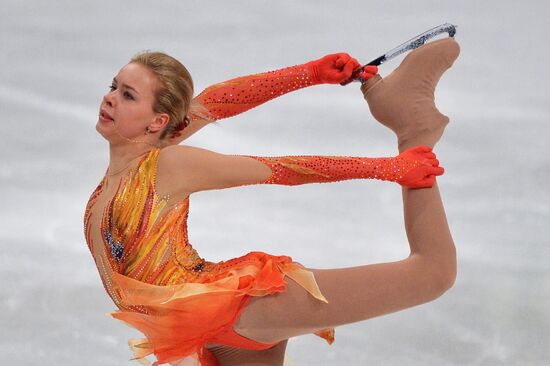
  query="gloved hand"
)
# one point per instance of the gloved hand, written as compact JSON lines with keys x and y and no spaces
{"x":333,"y":69}
{"x":423,"y":176}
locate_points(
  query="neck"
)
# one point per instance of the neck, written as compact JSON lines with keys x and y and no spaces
{"x":122,"y":156}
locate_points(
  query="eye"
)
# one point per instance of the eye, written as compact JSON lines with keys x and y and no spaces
{"x":112,"y":87}
{"x":128,"y":96}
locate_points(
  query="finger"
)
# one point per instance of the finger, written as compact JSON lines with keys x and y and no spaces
{"x":344,"y":56}
{"x":426,"y":182}
{"x":356,"y":64}
{"x":430,"y":162}
{"x":436,"y":170}
{"x":430,"y":181}
{"x":371,"y":69}
{"x":342,"y":59}
{"x":348,"y":69}
{"x":366,"y":75}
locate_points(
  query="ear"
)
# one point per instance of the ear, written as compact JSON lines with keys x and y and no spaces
{"x":159,"y":122}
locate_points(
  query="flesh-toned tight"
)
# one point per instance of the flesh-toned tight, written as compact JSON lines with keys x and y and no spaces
{"x":366,"y":291}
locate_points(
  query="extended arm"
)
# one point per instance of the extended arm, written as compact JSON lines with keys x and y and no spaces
{"x":296,"y":170}
{"x":238,"y":95}
{"x":202,"y":169}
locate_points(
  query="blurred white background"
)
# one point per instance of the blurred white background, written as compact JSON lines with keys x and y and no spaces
{"x":58,"y":58}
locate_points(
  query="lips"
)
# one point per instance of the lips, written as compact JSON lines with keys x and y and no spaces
{"x":105,"y":116}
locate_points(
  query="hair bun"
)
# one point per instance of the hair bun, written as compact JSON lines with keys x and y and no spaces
{"x":181,"y":126}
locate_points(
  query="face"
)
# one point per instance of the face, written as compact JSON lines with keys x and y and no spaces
{"x":129,"y":105}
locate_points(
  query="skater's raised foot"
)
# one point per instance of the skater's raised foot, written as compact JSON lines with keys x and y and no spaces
{"x":404,"y":100}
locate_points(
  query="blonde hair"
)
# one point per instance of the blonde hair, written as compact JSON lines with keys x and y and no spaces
{"x":175,"y":93}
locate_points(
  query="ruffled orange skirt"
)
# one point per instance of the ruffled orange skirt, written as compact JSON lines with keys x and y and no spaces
{"x":182,"y":318}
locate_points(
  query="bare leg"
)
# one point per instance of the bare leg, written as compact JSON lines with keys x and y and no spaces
{"x":231,"y":356}
{"x":366,"y":291}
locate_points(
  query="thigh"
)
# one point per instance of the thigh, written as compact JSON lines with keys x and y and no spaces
{"x":353,"y":294}
{"x":232,"y":356}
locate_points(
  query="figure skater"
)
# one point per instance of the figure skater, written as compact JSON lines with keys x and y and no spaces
{"x":243,"y":310}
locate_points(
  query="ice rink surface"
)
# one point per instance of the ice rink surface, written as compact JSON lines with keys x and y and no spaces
{"x":58,"y":58}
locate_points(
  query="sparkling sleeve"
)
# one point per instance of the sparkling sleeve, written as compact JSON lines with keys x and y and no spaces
{"x":296,"y":170}
{"x":229,"y":98}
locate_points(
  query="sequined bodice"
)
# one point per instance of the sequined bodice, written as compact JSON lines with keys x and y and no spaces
{"x":138,"y":234}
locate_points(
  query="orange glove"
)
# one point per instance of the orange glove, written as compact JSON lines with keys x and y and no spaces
{"x":238,"y":95}
{"x":423,"y":175}
{"x":414,"y":168}
{"x":333,"y":69}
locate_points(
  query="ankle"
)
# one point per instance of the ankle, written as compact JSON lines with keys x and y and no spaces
{"x":427,"y":137}
{"x":423,"y":134}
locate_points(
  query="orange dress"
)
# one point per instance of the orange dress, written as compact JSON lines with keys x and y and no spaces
{"x":163,"y":288}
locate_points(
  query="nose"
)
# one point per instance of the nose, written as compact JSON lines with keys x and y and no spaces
{"x":108,"y":99}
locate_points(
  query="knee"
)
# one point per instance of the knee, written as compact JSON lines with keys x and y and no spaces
{"x":443,"y":276}
{"x":436,"y":275}
{"x":444,"y":280}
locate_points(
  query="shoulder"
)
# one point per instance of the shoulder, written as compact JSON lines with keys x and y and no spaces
{"x":184,"y":158}
{"x":177,"y":167}
{"x":176,"y":155}
{"x":188,"y":169}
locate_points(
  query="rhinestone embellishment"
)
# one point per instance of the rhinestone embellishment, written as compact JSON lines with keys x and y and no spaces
{"x":117,"y":248}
